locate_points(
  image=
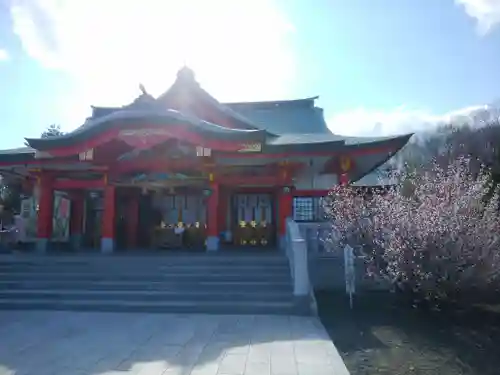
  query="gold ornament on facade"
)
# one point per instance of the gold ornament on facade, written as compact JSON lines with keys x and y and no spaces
{"x":253,"y":223}
{"x":243,"y":224}
{"x":345,"y":163}
{"x":263,"y":242}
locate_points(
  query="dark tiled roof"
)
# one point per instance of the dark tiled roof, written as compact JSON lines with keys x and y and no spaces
{"x":284,"y":117}
{"x":285,"y":124}
{"x":18,"y":150}
{"x":19,"y":154}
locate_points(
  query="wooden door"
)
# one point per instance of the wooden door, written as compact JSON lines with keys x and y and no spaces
{"x":253,"y":220}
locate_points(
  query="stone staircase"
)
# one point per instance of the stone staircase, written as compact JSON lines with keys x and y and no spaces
{"x":202,"y":283}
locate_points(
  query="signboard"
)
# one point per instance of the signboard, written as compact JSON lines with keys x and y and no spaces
{"x":350,"y":274}
{"x":251,"y":147}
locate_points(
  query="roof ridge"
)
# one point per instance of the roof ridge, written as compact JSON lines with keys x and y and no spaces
{"x":280,"y":101}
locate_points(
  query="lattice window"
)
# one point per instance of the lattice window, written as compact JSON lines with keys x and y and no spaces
{"x":308,"y":209}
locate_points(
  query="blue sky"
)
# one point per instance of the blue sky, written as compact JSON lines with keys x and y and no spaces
{"x":379,"y":66}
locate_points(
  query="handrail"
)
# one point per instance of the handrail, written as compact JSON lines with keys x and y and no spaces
{"x":296,"y":251}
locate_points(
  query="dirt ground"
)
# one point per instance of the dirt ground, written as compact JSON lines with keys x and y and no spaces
{"x":383,"y":336}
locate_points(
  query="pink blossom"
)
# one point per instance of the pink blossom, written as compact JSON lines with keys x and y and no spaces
{"x":434,"y":233}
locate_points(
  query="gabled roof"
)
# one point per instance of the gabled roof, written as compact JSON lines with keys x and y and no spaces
{"x":187,"y":84}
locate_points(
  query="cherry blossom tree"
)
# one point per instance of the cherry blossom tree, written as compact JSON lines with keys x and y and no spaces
{"x":433,"y":235}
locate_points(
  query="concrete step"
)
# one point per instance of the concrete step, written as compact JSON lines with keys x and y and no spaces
{"x":181,"y":277}
{"x":144,"y":295}
{"x":210,"y":307}
{"x":202,"y":286}
{"x":203,"y":259}
{"x":175,"y":284}
{"x":198,"y":269}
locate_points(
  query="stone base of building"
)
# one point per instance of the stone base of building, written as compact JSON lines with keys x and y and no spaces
{"x":41,"y":245}
{"x":212,"y":243}
{"x":76,"y":241}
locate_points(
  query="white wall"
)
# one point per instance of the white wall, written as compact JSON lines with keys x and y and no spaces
{"x":309,"y":181}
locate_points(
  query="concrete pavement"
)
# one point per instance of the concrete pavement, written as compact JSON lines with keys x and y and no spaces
{"x":67,"y":343}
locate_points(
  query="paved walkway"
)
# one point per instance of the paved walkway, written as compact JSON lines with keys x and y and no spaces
{"x":67,"y":343}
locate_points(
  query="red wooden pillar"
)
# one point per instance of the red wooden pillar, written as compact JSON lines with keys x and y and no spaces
{"x":212,"y":218}
{"x":45,"y":212}
{"x":76,"y":220}
{"x":285,"y":210}
{"x":222,"y":213}
{"x":132,"y":221}
{"x":108,"y":220}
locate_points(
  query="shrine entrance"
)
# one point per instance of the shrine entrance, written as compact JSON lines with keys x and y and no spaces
{"x":179,"y":220}
{"x":253,"y":220}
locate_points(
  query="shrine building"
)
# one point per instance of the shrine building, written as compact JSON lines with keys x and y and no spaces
{"x":184,"y":171}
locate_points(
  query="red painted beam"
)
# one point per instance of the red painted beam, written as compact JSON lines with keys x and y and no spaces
{"x":253,"y":180}
{"x":152,"y":165}
{"x":355,"y":152}
{"x":310,"y":193}
{"x":78,"y":184}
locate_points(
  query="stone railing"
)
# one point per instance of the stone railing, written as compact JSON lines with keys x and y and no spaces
{"x":326,"y":259}
{"x":296,"y":252}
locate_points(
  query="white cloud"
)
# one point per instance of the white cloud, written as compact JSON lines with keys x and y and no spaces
{"x":4,"y":55}
{"x":485,"y":12}
{"x":108,"y":47}
{"x":401,"y":120}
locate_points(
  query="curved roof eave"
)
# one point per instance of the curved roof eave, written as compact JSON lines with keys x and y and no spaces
{"x":331,"y":142}
{"x":121,"y":117}
{"x":315,"y":138}
{"x":400,"y":142}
